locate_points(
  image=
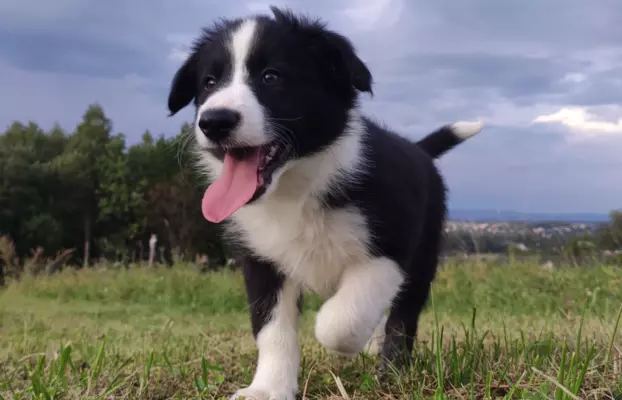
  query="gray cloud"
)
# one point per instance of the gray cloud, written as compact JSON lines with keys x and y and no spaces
{"x":433,"y":62}
{"x":64,"y":52}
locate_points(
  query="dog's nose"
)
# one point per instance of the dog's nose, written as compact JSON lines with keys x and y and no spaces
{"x":218,"y":123}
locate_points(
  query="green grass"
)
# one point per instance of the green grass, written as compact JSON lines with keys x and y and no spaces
{"x":488,"y":332}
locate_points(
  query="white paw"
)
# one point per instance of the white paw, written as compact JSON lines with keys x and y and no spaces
{"x":375,"y":342}
{"x":466,"y":129}
{"x":250,"y":393}
{"x":342,"y":330}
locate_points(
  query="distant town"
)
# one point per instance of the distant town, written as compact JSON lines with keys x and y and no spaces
{"x":544,"y":230}
{"x":484,"y":231}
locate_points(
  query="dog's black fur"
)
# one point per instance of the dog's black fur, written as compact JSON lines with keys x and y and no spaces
{"x":398,"y":191}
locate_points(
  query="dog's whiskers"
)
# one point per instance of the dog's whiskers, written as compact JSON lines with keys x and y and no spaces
{"x":284,"y":136}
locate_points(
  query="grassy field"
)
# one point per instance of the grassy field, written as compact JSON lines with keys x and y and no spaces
{"x":517,"y":331}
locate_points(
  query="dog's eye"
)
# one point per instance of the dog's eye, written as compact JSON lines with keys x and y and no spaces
{"x":270,"y":77}
{"x":209,"y":82}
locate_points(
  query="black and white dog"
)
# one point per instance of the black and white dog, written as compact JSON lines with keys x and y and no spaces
{"x":320,"y":197}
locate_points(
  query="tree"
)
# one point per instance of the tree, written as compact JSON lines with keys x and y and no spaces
{"x":28,"y":199}
{"x":610,"y":234}
{"x":81,"y":166}
{"x":119,"y":197}
{"x":173,"y":211}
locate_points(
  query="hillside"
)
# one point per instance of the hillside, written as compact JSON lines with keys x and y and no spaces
{"x":490,"y":215}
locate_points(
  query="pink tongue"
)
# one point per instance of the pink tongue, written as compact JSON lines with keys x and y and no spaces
{"x":234,"y":188}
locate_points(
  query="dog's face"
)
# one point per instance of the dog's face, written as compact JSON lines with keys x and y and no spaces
{"x":267,"y":91}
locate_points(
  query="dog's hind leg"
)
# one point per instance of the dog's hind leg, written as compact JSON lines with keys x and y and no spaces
{"x":274,"y":302}
{"x":401,"y":326}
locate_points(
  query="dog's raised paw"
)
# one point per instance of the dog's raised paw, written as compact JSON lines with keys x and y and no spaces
{"x":250,"y":393}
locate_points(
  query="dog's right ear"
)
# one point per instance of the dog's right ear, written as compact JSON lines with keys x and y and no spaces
{"x":184,"y":86}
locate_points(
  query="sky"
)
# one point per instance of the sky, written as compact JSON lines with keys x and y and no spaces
{"x":545,"y":76}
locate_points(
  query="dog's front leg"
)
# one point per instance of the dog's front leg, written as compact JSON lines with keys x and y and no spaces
{"x":273,"y":301}
{"x":347,"y":320}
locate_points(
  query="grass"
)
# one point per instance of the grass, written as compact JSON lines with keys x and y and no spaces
{"x":488,"y":332}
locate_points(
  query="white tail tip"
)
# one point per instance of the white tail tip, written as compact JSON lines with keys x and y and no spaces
{"x":466,"y":129}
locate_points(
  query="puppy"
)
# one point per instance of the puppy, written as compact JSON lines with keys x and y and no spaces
{"x":319,"y":196}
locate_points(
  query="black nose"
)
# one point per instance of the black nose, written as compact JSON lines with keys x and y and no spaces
{"x":218,"y":123}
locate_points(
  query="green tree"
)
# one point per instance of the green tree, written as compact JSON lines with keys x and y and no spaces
{"x":610,"y":234}
{"x":119,"y":197}
{"x":28,"y":196}
{"x":80,"y":166}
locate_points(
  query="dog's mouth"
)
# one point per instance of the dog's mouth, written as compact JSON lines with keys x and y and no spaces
{"x":247,"y":172}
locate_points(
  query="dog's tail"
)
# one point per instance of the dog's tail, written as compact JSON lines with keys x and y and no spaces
{"x":447,"y":137}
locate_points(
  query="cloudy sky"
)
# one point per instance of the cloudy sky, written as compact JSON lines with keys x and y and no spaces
{"x":545,"y":75}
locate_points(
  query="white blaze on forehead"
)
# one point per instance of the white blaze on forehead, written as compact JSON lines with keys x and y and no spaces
{"x":236,"y":94}
{"x":240,"y":46}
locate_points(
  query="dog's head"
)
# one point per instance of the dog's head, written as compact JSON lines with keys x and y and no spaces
{"x":267,"y":91}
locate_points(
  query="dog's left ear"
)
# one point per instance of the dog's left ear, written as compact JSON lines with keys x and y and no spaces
{"x":333,"y":52}
{"x":345,"y":64}
{"x":184,"y":85}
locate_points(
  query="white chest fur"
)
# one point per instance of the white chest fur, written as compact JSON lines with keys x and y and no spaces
{"x":309,"y":244}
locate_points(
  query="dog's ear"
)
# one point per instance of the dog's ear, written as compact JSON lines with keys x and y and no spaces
{"x":184,"y":85}
{"x":333,"y":52}
{"x":344,"y":62}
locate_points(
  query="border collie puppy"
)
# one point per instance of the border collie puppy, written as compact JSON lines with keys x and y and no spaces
{"x":320,"y":197}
